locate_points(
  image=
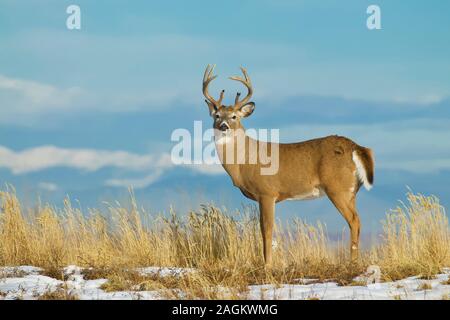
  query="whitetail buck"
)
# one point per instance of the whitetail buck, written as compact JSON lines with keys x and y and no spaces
{"x":333,"y":166}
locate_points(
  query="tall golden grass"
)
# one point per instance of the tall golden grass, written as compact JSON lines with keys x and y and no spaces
{"x":416,"y":238}
{"x":225,"y":248}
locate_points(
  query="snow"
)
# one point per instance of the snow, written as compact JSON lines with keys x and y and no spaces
{"x":164,"y":271}
{"x":406,"y":289}
{"x":27,"y":287}
{"x":11,"y":271}
{"x":26,"y":282}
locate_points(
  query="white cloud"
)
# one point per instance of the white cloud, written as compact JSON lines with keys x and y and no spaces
{"x":210,"y":169}
{"x":25,"y":96}
{"x":147,"y":180}
{"x":138,"y":183}
{"x":47,"y":157}
{"x":48,"y":186}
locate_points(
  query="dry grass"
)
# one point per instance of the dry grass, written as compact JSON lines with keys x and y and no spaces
{"x":60,"y":293}
{"x":416,"y":239}
{"x":225,"y":249}
{"x":446,"y":282}
{"x":424,"y":286}
{"x":128,"y":280}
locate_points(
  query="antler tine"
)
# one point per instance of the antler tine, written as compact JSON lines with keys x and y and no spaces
{"x":207,"y":78}
{"x":221,"y":97}
{"x":205,"y":75}
{"x":244,"y":71}
{"x":208,"y":71}
{"x":236,"y":100}
{"x":247,"y":82}
{"x":211,"y":70}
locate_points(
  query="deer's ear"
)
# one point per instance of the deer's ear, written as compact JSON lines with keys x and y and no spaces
{"x":212,"y":108}
{"x":247,"y":109}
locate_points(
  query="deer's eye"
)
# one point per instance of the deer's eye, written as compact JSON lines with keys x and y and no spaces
{"x":234,"y":117}
{"x":217,"y":116}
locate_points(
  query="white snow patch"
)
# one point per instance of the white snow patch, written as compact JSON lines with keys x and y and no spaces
{"x":27,"y":287}
{"x":6,"y":272}
{"x":164,"y":271}
{"x":25,"y":282}
{"x":406,"y":289}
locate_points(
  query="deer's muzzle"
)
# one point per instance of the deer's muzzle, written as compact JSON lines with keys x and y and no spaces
{"x":224,"y":127}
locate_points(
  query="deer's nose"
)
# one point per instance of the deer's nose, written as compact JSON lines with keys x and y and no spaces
{"x":223,"y":127}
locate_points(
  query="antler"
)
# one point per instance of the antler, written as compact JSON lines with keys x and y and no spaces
{"x":248,"y":84}
{"x":207,"y":78}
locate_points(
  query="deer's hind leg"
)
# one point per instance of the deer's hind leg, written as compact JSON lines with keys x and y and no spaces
{"x":345,"y":202}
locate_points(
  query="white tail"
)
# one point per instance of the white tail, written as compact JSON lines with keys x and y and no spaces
{"x":361,"y":171}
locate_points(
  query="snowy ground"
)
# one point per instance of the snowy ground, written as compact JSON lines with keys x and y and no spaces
{"x":26,"y":282}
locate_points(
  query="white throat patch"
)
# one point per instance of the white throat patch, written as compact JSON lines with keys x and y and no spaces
{"x":223,"y":138}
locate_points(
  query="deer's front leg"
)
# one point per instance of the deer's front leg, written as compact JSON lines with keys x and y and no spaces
{"x":266,"y":216}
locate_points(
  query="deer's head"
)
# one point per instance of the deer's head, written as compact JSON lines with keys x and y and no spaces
{"x":228,"y":117}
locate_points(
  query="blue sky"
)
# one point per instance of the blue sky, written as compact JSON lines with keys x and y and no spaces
{"x":87,"y":112}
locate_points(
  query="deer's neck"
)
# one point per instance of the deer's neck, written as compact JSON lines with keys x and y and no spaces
{"x":232,"y":152}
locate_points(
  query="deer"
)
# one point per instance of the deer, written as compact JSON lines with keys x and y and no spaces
{"x":332,"y":166}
